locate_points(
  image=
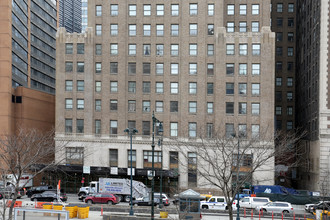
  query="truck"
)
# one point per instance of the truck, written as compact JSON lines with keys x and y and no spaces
{"x":119,"y":187}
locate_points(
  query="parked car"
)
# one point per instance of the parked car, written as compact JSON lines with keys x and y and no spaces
{"x":145,"y":201}
{"x":164,"y":196}
{"x":48,"y":196}
{"x":217,"y":202}
{"x":253,"y":202}
{"x":39,"y":189}
{"x":106,"y":198}
{"x":324,"y":205}
{"x":309,"y":207}
{"x":276,"y":207}
{"x":9,"y":192}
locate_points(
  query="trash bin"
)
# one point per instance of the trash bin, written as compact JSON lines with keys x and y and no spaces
{"x":189,"y":204}
{"x":83,"y":211}
{"x":47,"y":206}
{"x":71,"y":210}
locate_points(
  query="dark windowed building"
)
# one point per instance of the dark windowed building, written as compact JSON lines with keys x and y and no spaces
{"x":70,"y":15}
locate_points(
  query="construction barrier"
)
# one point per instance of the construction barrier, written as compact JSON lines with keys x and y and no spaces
{"x":83,"y":211}
{"x":73,"y":209}
{"x":16,"y":205}
{"x":47,"y":206}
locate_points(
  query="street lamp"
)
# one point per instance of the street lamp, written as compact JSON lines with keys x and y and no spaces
{"x":160,"y":144}
{"x":237,"y":175}
{"x":130,"y":132}
{"x":160,"y":130}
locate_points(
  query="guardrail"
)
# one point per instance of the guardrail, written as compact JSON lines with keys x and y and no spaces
{"x":24,"y":210}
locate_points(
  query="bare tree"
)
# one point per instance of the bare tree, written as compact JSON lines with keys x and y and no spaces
{"x":20,"y":152}
{"x":227,"y":162}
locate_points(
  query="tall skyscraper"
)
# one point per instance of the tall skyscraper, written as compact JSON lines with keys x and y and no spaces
{"x":27,"y":45}
{"x":70,"y":15}
{"x":201,"y":66}
{"x":84,"y":14}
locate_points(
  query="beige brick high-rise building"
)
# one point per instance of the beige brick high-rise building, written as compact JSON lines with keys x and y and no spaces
{"x":201,"y":66}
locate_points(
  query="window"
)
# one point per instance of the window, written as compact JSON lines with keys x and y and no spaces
{"x":242,"y":108}
{"x":290,"y":7}
{"x":279,"y":51}
{"x":113,"y":158}
{"x":68,"y":66}
{"x":131,"y":105}
{"x":193,"y":9}
{"x":160,"y":30}
{"x":290,"y":82}
{"x":193,"y":68}
{"x":131,"y":68}
{"x":279,"y":22}
{"x":278,"y":110}
{"x":132,"y":30}
{"x":192,"y":88}
{"x":98,"y":49}
{"x":114,"y":29}
{"x":242,"y":26}
{"x":174,"y":68}
{"x":255,"y":68}
{"x":242,"y":9}
{"x":146,"y":68}
{"x":230,"y":9}
{"x":255,"y":108}
{"x":210,"y":69}
{"x":174,"y":106}
{"x":278,"y":81}
{"x":290,"y":22}
{"x":131,"y":86}
{"x":230,"y":68}
{"x":113,"y":127}
{"x":255,"y":130}
{"x":229,"y":88}
{"x":242,"y":87}
{"x":279,"y":7}
{"x":68,"y":125}
{"x":146,"y":30}
{"x":159,"y":106}
{"x":80,"y":126}
{"x":113,"y":68}
{"x":98,"y":29}
{"x":132,"y":49}
{"x":80,"y":48}
{"x":74,"y":155}
{"x":98,"y":86}
{"x":289,"y":125}
{"x":80,"y":104}
{"x":278,"y":96}
{"x":68,"y":85}
{"x":192,"y":129}
{"x":146,"y":87}
{"x":242,"y":69}
{"x":289,"y":96}
{"x":132,"y":10}
{"x":145,"y":127}
{"x":68,"y":104}
{"x":230,"y":49}
{"x":68,"y":48}
{"x":278,"y":66}
{"x":255,"y":26}
{"x":147,"y":158}
{"x":131,"y":157}
{"x":230,"y":130}
{"x":210,"y":9}
{"x":114,"y":86}
{"x":193,"y":49}
{"x":174,"y":88}
{"x":192,"y":107}
{"x":174,"y":29}
{"x":147,"y":10}
{"x":256,"y":49}
{"x":159,"y":87}
{"x":159,"y":49}
{"x":114,"y":10}
{"x":242,"y":130}
{"x":159,"y":68}
{"x":98,"y":105}
{"x":80,"y":85}
{"x":290,"y":36}
{"x":243,"y":49}
{"x":174,"y":129}
{"x":210,"y":49}
{"x":175,"y":10}
{"x":230,"y":27}
{"x":113,"y":49}
{"x":209,"y":88}
{"x":289,"y":110}
{"x":290,"y":66}
{"x":279,"y":36}
{"x":209,"y":107}
{"x":255,"y":9}
{"x":98,"y":67}
{"x":160,"y":10}
{"x":255,"y":89}
{"x":209,"y":130}
{"x":229,"y":108}
{"x":174,"y":50}
{"x":290,"y":51}
{"x":193,"y":29}
{"x":113,"y":105}
{"x":146,"y":106}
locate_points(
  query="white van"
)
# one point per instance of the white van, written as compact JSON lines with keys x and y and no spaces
{"x":217,"y":202}
{"x":253,"y":202}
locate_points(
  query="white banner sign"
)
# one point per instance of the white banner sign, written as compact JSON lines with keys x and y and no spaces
{"x":87,"y":169}
{"x":129,"y":171}
{"x":114,"y":170}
